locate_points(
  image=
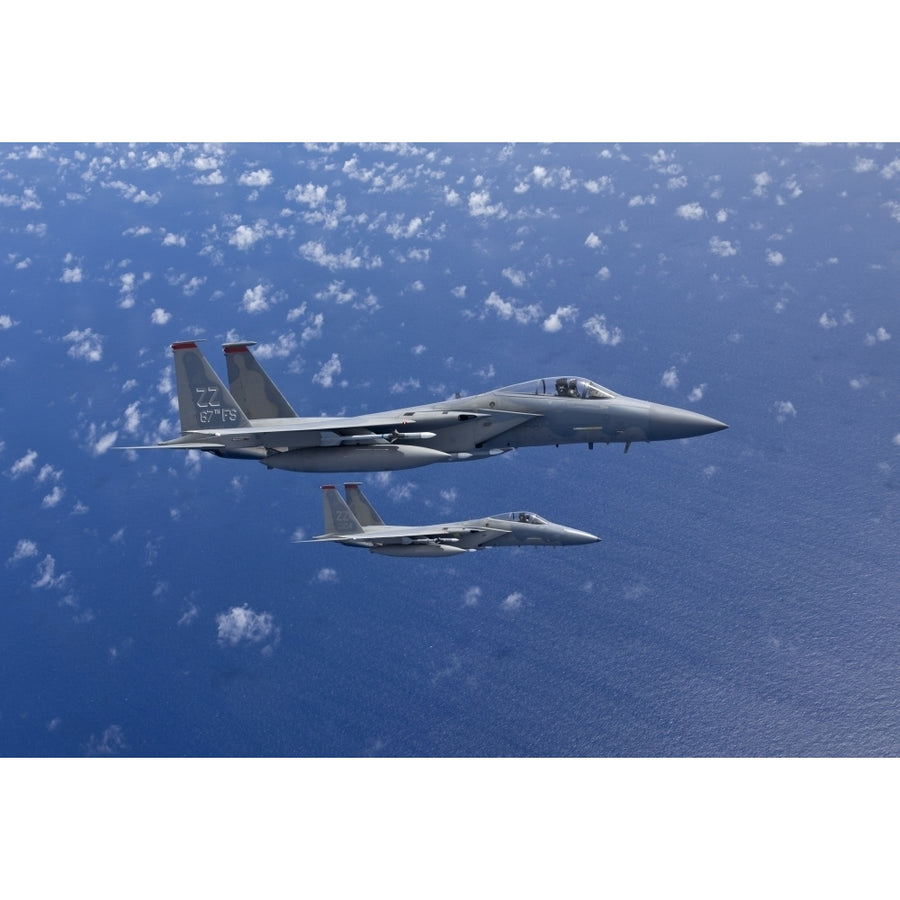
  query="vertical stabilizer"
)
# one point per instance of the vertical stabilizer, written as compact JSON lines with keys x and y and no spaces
{"x":338,"y":517}
{"x":203,"y":401}
{"x":254,"y":391}
{"x":359,"y":504}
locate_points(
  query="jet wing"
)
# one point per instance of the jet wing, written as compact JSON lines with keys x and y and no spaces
{"x":465,"y":536}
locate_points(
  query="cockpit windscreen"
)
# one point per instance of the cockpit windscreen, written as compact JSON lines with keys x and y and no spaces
{"x":561,"y":386}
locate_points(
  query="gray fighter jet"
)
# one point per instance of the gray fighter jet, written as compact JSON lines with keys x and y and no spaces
{"x":254,"y":421}
{"x":356,"y":524}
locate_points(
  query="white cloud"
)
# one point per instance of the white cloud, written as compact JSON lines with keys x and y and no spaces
{"x":47,"y":577}
{"x":761,"y":181}
{"x":86,"y":345}
{"x":691,"y":211}
{"x":6,"y":322}
{"x":604,"y":274}
{"x":554,"y":322}
{"x":593,"y":241}
{"x":111,"y":741}
{"x":254,"y":299}
{"x":103,"y":443}
{"x":48,"y":473}
{"x":24,"y":465}
{"x":881,"y":335}
{"x":315,"y":252}
{"x":597,"y":328}
{"x":480,"y":206}
{"x":53,"y":499}
{"x":774,"y":257}
{"x":638,"y":200}
{"x":312,"y":195}
{"x":516,"y":277}
{"x":241,"y":623}
{"x":245,"y":236}
{"x":598,"y":185}
{"x":896,"y":440}
{"x":160,"y":317}
{"x":284,"y":347}
{"x":213,"y":178}
{"x":513,"y":601}
{"x":507,"y":309}
{"x":258,"y":178}
{"x":401,"y":387}
{"x":891,"y":169}
{"x":721,"y":247}
{"x":783,"y":409}
{"x":132,"y":417}
{"x":696,"y":394}
{"x":326,"y":576}
{"x":827,"y":321}
{"x":313,"y":329}
{"x":25,"y":549}
{"x":325,"y":375}
{"x":174,"y":240}
{"x":72,"y":276}
{"x":472,"y":596}
{"x":670,"y":378}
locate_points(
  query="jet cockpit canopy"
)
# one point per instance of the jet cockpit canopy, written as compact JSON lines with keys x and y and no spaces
{"x":561,"y":386}
{"x":527,"y":518}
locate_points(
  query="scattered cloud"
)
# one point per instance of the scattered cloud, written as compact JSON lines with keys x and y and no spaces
{"x":245,"y":236}
{"x":73,"y":275}
{"x":47,"y":577}
{"x":670,"y":378}
{"x":515,"y":277}
{"x":256,"y":179}
{"x":241,"y":623}
{"x":880,"y":336}
{"x":112,"y":741}
{"x":160,"y":317}
{"x":721,"y":247}
{"x":24,"y":465}
{"x":480,"y":206}
{"x":696,"y":394}
{"x":472,"y":596}
{"x":512,"y":602}
{"x":6,"y":322}
{"x":783,"y":409}
{"x":326,"y":576}
{"x":508,"y":309}
{"x":255,"y":299}
{"x":25,"y":549}
{"x":53,"y":499}
{"x":326,"y":374}
{"x":774,"y":257}
{"x":316,"y":252}
{"x":598,"y":328}
{"x":86,"y":345}
{"x":693,"y":212}
{"x":554,"y":322}
{"x":284,"y":347}
{"x":761,"y":181}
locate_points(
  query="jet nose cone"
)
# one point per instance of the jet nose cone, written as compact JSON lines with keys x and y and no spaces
{"x":668,"y":423}
{"x":574,"y":536}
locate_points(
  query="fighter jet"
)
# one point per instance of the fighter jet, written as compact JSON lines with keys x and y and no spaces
{"x":254,"y":421}
{"x":355,"y":523}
